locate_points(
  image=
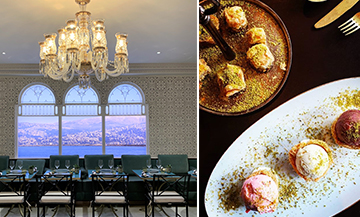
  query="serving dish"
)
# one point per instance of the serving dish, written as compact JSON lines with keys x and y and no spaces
{"x":261,"y":87}
{"x":267,"y":143}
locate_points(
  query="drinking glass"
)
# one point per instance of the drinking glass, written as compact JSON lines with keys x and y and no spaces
{"x":101,"y":164}
{"x":57,"y":164}
{"x":67,"y":164}
{"x":20,"y":164}
{"x":12,"y":165}
{"x":158,"y":164}
{"x":148,"y":164}
{"x":111,"y":164}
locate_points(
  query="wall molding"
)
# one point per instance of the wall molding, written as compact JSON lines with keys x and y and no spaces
{"x":136,"y":69}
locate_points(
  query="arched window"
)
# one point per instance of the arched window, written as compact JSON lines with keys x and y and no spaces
{"x":37,"y":122}
{"x":125,"y":93}
{"x":81,"y":96}
{"x":37,"y":93}
{"x":126,"y":120}
{"x":81,"y":122}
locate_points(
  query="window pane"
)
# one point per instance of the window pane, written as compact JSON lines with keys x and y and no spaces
{"x":37,"y":94}
{"x":125,"y":135}
{"x":77,"y":95}
{"x":38,"y":136}
{"x":81,"y":135}
{"x":125,"y":93}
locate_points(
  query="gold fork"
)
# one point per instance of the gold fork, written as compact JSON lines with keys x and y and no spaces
{"x":351,"y":25}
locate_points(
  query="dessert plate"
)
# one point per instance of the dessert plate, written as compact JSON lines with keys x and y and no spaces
{"x":267,"y":143}
{"x":261,"y":88}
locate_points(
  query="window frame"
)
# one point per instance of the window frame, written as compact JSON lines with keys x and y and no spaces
{"x":103,"y":110}
{"x":144,"y":111}
{"x":19,"y":111}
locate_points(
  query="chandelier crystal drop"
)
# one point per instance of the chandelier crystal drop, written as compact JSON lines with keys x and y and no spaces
{"x":82,"y":49}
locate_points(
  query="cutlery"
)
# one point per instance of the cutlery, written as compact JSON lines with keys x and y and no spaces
{"x":335,"y":13}
{"x":205,"y":21}
{"x":351,"y":25}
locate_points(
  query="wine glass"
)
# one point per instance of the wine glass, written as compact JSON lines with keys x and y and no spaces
{"x":57,"y":164}
{"x":158,"y":164}
{"x":101,"y":164}
{"x":12,"y":165}
{"x":67,"y":164}
{"x":111,"y":164}
{"x":148,"y":163}
{"x":20,"y":164}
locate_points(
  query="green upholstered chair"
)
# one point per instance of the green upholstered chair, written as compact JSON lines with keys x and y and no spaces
{"x":134,"y":162}
{"x":192,"y":164}
{"x":4,"y":162}
{"x":179,"y":162}
{"x":39,"y":164}
{"x":92,"y":161}
{"x":74,"y":159}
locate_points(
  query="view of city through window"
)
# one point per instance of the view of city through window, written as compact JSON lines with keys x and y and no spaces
{"x":39,"y":136}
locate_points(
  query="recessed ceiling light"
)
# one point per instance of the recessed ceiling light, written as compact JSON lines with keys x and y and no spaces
{"x":158,"y":52}
{"x":3,"y":53}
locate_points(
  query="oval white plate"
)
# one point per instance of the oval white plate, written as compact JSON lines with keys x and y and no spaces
{"x":267,"y":142}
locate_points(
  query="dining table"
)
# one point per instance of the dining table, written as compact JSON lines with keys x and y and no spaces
{"x":319,"y":56}
{"x":8,"y":175}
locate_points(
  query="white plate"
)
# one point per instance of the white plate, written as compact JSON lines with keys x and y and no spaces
{"x":267,"y":142}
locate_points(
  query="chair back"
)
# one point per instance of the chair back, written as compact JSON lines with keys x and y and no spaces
{"x":102,"y":185}
{"x":179,"y":162}
{"x":134,"y":162}
{"x":74,"y":159}
{"x":92,"y":161}
{"x":4,"y":162}
{"x":167,"y":185}
{"x":39,"y":164}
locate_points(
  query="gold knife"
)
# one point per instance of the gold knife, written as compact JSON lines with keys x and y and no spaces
{"x":335,"y":13}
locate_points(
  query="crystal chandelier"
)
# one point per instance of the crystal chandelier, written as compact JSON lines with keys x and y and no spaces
{"x":82,"y":49}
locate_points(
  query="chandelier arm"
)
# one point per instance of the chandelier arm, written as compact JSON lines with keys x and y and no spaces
{"x":52,"y":70}
{"x":52,"y":74}
{"x":113,"y":73}
{"x":99,"y":75}
{"x":121,"y":65}
{"x":63,"y":70}
{"x":67,"y":78}
{"x":75,"y":61}
{"x":95,"y":63}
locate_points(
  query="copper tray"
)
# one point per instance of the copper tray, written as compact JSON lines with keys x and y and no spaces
{"x":261,"y":88}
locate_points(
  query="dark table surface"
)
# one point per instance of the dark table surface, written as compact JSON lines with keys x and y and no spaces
{"x":319,"y":56}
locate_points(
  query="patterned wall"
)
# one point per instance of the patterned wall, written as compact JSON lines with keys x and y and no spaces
{"x":172,"y":101}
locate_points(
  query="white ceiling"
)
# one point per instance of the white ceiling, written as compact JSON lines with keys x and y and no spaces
{"x":168,"y":26}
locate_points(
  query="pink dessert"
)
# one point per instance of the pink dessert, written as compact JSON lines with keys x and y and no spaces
{"x":260,"y":193}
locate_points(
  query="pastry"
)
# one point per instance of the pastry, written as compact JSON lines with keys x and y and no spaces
{"x":260,"y":57}
{"x":256,"y":36}
{"x":204,"y":70}
{"x":311,"y":159}
{"x":235,"y":18}
{"x":231,"y":80}
{"x":346,"y":129}
{"x":260,"y":191}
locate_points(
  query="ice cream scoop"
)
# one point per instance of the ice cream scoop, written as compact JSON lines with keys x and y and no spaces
{"x":312,"y":161}
{"x":346,"y":129}
{"x":260,"y":192}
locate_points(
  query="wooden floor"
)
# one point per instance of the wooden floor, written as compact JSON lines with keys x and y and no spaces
{"x":83,"y":211}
